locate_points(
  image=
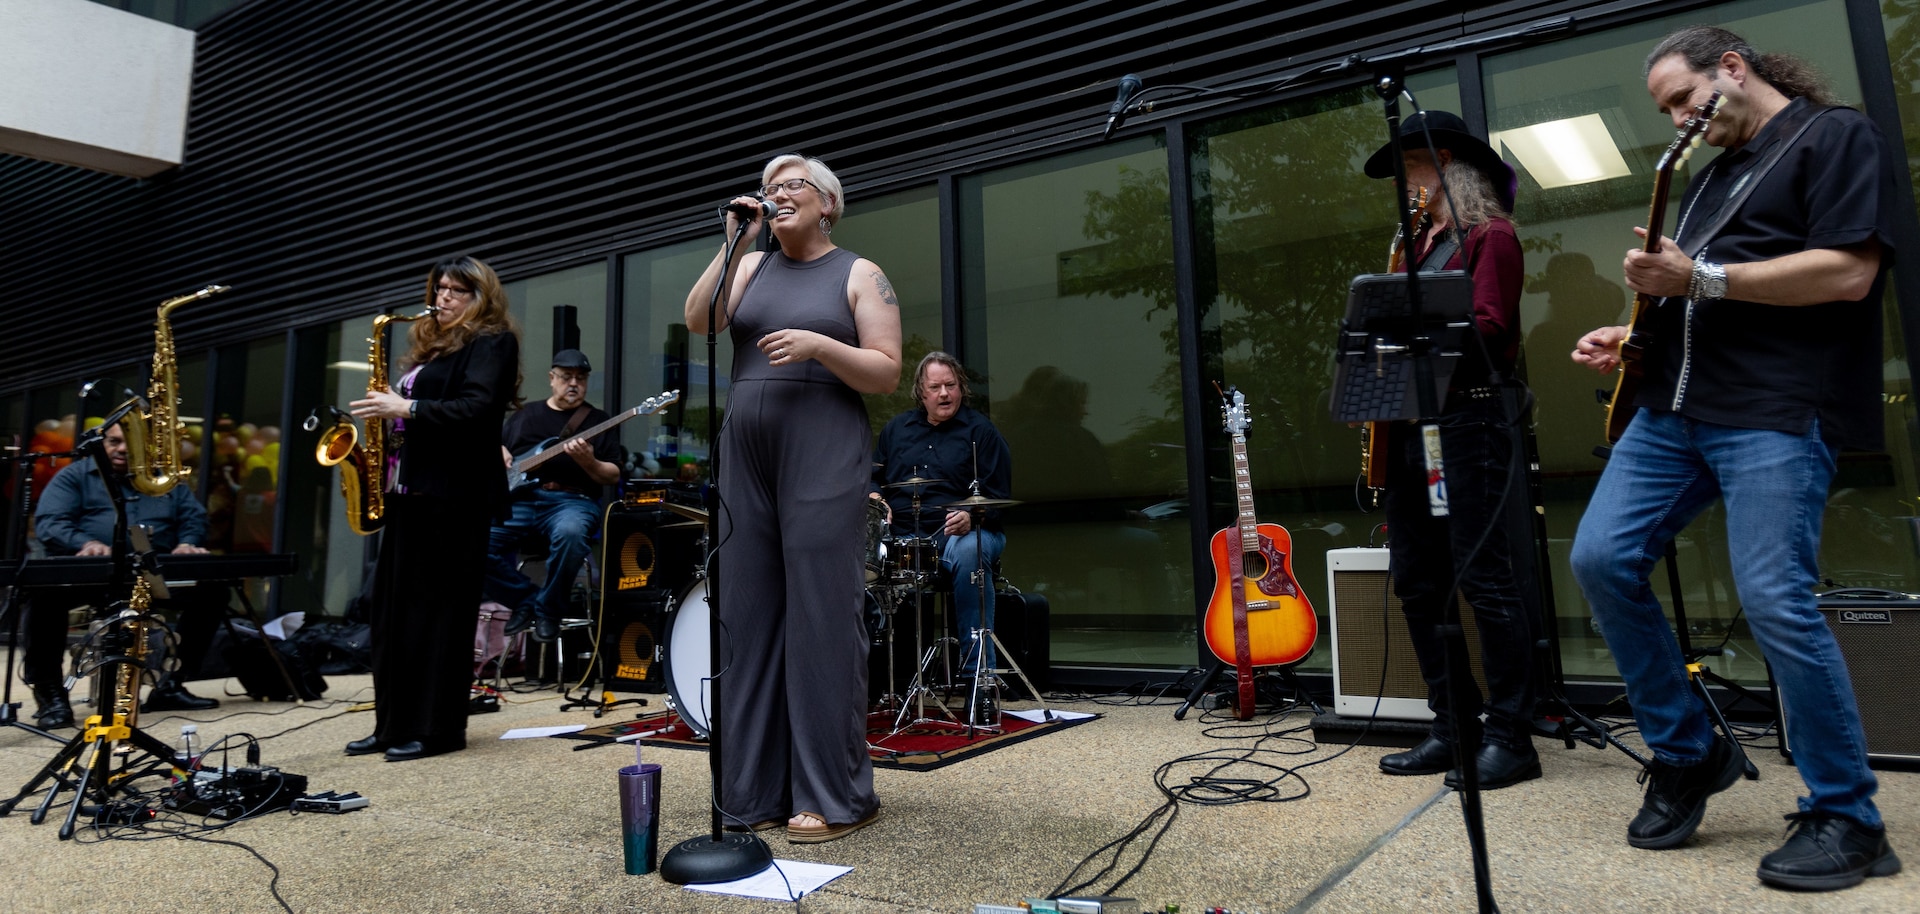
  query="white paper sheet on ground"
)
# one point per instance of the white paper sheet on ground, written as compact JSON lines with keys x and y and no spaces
{"x":531,"y":732}
{"x":280,"y":628}
{"x":1039,"y":717}
{"x":783,"y":881}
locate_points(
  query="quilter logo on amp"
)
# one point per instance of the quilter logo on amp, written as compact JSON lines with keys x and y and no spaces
{"x":1867,"y":616}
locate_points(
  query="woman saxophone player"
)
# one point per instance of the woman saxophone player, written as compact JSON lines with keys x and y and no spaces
{"x":462,"y":368}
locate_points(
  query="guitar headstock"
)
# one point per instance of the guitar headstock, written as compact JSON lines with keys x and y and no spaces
{"x":657,"y":403}
{"x":1692,"y":133}
{"x":1233,"y":409}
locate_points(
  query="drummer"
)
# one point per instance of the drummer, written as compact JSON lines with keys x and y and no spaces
{"x":933,"y":457}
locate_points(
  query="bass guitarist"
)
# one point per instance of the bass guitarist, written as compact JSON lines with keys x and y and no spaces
{"x":559,"y":505}
{"x":1469,"y":230}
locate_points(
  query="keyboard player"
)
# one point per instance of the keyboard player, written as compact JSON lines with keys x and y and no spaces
{"x":76,"y":517}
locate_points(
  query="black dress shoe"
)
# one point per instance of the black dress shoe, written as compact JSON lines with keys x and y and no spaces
{"x":520,"y":621}
{"x":413,"y":749}
{"x":1500,"y":766}
{"x":1676,"y":798}
{"x":173,"y":696}
{"x":1828,"y":852}
{"x":367,"y":746}
{"x":1433,"y":756}
{"x":546,"y":629}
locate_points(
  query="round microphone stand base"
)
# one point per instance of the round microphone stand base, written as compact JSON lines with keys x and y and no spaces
{"x":702,"y":860}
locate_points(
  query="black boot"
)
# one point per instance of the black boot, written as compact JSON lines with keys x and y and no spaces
{"x":55,"y":712}
{"x":1433,"y":756}
{"x":169,"y":695}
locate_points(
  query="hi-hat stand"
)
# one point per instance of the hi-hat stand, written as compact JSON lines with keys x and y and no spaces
{"x":985,"y":677}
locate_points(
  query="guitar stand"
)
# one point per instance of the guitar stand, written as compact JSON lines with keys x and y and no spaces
{"x":1212,"y":675}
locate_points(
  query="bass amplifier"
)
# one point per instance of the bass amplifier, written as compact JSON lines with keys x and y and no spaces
{"x":633,"y":639}
{"x":1877,"y":632}
{"x":1374,"y":671}
{"x":652,"y":555}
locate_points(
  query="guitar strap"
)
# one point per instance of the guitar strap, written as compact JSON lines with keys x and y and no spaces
{"x":1441,"y":254}
{"x":574,"y":422}
{"x":1803,"y":119}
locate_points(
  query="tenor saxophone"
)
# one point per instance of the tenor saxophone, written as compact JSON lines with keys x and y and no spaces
{"x":363,"y":480}
{"x":153,"y":430}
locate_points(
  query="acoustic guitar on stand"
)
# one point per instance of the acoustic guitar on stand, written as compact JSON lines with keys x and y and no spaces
{"x":1258,"y":615}
{"x":1634,"y":347}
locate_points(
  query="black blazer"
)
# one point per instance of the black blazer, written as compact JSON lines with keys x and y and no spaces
{"x":452,"y":445}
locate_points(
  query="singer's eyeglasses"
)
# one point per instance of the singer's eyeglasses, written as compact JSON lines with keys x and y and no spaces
{"x":791,"y":185}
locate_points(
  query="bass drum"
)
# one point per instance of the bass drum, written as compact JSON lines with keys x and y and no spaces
{"x":689,"y":658}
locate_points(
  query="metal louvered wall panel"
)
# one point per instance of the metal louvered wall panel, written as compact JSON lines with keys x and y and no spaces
{"x":336,"y":147}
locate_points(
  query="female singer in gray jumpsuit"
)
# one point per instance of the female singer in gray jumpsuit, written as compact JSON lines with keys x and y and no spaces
{"x":814,"y":327}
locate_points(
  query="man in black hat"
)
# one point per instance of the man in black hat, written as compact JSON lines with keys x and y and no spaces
{"x":559,"y":503}
{"x":1469,"y":192}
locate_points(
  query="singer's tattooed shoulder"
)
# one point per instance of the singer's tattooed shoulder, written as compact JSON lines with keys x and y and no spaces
{"x":886,"y":288}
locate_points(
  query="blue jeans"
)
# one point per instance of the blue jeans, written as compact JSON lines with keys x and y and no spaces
{"x":1664,"y":472}
{"x":961,"y":558}
{"x":565,"y":521}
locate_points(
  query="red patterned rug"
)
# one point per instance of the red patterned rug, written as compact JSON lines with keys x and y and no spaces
{"x":921,"y":746}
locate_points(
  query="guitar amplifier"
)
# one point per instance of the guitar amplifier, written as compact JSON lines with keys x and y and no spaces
{"x":1372,"y":655}
{"x":633,"y":638}
{"x":1877,"y":632}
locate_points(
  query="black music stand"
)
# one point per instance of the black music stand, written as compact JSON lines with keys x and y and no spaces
{"x":1387,"y":334}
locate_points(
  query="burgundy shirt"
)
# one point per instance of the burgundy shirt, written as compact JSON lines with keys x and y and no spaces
{"x":1491,"y":255}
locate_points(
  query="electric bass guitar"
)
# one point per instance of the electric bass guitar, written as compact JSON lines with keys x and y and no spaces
{"x":1258,"y":615}
{"x":526,"y":460}
{"x":1373,"y":440}
{"x":1634,"y":348}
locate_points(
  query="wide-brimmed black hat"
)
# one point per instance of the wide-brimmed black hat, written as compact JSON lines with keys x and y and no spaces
{"x":1448,"y":131}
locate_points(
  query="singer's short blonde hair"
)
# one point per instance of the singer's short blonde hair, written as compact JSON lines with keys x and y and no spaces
{"x":817,"y":172}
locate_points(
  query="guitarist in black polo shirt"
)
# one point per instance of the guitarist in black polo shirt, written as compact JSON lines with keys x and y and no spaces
{"x":559,"y":502}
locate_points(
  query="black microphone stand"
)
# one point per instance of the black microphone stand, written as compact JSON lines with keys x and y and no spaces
{"x":720,"y":856}
{"x":14,"y":608}
{"x":1466,"y":727}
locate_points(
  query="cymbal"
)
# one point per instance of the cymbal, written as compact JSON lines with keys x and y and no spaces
{"x":911,"y":481}
{"x":981,"y":501}
{"x":698,"y":514}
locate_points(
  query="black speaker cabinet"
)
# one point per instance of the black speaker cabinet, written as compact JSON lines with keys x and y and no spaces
{"x":1020,"y":619}
{"x":648,"y":547}
{"x":1370,"y":633}
{"x":1877,"y":636}
{"x":633,"y":638}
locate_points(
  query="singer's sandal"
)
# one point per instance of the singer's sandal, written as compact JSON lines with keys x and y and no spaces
{"x":815,"y":834}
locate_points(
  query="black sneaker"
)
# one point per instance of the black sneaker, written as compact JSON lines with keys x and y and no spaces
{"x":1827,"y":852}
{"x":1676,"y":798}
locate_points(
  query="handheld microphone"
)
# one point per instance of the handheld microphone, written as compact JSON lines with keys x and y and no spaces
{"x":746,"y":211}
{"x":1117,"y":114}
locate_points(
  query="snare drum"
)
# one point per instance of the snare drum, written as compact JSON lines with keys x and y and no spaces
{"x":689,"y":658}
{"x":921,"y":554}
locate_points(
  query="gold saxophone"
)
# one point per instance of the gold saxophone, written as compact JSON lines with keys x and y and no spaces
{"x":364,"y":480}
{"x":153,"y":430}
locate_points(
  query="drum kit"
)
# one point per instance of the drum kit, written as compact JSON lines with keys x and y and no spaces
{"x":900,"y":572}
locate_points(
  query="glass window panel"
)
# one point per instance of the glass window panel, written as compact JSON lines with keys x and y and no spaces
{"x":1273,"y":287}
{"x":1067,"y":269}
{"x":900,"y":233}
{"x":242,"y":463}
{"x":330,"y":369}
{"x":659,"y":354}
{"x":533,"y":302}
{"x":1575,"y":236}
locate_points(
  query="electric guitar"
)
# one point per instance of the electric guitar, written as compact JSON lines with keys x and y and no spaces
{"x":526,"y":460}
{"x":1258,"y":615}
{"x":1633,"y":349}
{"x":1373,"y":440}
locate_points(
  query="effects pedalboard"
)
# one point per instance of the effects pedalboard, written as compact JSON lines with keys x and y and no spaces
{"x":235,"y":793}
